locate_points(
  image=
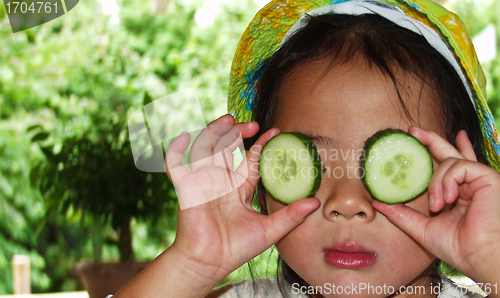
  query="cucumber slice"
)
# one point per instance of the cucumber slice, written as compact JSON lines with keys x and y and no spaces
{"x":290,"y":167}
{"x":397,"y":167}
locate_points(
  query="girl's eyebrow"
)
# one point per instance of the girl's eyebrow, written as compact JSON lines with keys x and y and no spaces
{"x":320,"y":139}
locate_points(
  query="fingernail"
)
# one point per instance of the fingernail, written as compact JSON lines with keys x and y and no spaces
{"x":432,"y":200}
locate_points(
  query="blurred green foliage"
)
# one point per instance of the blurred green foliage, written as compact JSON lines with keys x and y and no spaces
{"x":73,"y":83}
{"x":477,"y":15}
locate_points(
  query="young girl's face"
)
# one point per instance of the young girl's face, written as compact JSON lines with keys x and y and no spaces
{"x":346,"y":242}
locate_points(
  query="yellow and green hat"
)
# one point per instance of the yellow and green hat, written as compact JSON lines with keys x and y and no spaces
{"x":442,"y":29}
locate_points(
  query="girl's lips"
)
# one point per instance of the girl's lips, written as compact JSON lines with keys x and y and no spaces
{"x":349,"y":255}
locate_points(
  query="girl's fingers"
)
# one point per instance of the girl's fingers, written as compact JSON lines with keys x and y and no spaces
{"x":472,"y":176}
{"x":453,"y":178}
{"x":464,"y":145}
{"x":176,"y":171}
{"x":202,"y":149}
{"x":444,"y":187}
{"x":247,"y":129}
{"x":281,"y":222}
{"x":438,"y":147}
{"x":250,"y":166}
{"x":227,"y":144}
{"x":229,"y":138}
{"x":447,"y":156}
{"x":407,"y":219}
{"x":436,"y":191}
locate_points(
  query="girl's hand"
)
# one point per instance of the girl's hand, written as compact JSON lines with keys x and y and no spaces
{"x":468,"y":235}
{"x":218,"y":230}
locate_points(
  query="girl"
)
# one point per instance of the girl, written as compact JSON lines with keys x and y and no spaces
{"x":339,"y":72}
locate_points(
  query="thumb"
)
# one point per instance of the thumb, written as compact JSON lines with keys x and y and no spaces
{"x":281,"y":222}
{"x":407,"y":219}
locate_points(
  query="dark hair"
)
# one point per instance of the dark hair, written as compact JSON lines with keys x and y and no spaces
{"x":382,"y":44}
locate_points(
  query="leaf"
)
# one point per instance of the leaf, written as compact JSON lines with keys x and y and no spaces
{"x":47,"y":151}
{"x":40,"y":226}
{"x":40,"y":136}
{"x":33,"y":127}
{"x":147,"y":98}
{"x":35,"y":175}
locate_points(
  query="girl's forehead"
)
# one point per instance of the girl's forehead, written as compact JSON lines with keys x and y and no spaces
{"x":352,"y":100}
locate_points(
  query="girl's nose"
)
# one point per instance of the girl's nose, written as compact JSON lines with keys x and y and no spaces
{"x":348,"y":200}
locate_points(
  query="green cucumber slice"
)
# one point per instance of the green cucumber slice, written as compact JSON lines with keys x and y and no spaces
{"x":397,"y":167}
{"x":290,"y":167}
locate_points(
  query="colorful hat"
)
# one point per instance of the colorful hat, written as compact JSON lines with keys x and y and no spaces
{"x":442,"y":29}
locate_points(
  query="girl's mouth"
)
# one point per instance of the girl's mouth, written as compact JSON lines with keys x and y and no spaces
{"x":350,"y":255}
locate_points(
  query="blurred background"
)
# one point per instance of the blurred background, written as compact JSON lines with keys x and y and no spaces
{"x":70,"y":194}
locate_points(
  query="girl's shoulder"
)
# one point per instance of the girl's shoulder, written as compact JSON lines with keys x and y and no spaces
{"x":259,"y":288}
